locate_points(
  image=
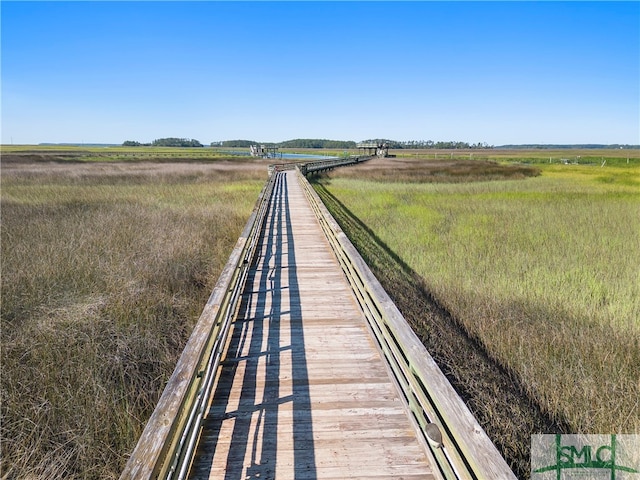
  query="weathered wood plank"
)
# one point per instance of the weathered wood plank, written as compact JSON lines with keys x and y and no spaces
{"x":303,"y":391}
{"x":149,"y":458}
{"x":467,"y":442}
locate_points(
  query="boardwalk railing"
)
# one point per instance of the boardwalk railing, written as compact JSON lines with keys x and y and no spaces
{"x":320,"y":165}
{"x":458,"y":442}
{"x":168,"y":440}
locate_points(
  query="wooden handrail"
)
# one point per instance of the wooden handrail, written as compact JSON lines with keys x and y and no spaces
{"x":166,"y":439}
{"x":323,"y":165}
{"x":307,"y":168}
{"x":465,"y":450}
{"x":164,"y":448}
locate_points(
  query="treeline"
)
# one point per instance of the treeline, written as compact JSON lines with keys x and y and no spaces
{"x":165,"y":142}
{"x":297,"y":143}
{"x":235,"y":143}
{"x":576,"y":146}
{"x":348,"y":144}
{"x":427,"y":144}
{"x":316,"y":143}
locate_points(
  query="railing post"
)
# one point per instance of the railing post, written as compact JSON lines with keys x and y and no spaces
{"x":464,"y":451}
{"x":175,"y":420}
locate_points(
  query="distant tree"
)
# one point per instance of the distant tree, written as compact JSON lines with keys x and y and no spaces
{"x":316,"y":143}
{"x":131,"y":143}
{"x":176,"y":142}
{"x":451,"y":145}
{"x":339,"y":144}
{"x":417,"y":144}
{"x":238,"y":143}
{"x":391,"y":143}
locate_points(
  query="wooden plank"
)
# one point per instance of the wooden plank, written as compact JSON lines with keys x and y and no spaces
{"x":148,"y":460}
{"x":303,"y":391}
{"x":421,"y":370}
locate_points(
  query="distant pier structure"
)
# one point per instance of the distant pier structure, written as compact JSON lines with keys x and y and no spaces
{"x":378,"y":149}
{"x":263,"y":151}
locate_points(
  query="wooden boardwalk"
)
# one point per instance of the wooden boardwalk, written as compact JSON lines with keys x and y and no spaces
{"x":303,"y":391}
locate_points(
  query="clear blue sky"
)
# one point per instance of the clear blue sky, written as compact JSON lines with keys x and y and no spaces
{"x":495,"y":72}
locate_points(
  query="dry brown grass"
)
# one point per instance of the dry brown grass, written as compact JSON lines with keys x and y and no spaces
{"x":105,"y":269}
{"x":421,"y":170}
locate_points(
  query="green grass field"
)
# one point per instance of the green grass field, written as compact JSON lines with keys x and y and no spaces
{"x":542,"y":272}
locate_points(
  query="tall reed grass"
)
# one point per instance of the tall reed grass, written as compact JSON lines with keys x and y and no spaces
{"x":103,"y":277}
{"x":543,"y":272}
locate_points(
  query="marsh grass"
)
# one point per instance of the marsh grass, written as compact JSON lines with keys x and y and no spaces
{"x":542,"y":273}
{"x":117,"y":154}
{"x":445,"y":171}
{"x":103,"y":277}
{"x":534,"y":156}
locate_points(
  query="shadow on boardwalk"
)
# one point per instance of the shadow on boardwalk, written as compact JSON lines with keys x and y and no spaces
{"x":256,"y":347}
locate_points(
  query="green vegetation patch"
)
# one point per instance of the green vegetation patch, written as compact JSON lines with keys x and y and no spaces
{"x":540,"y":272}
{"x":419,"y":170}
